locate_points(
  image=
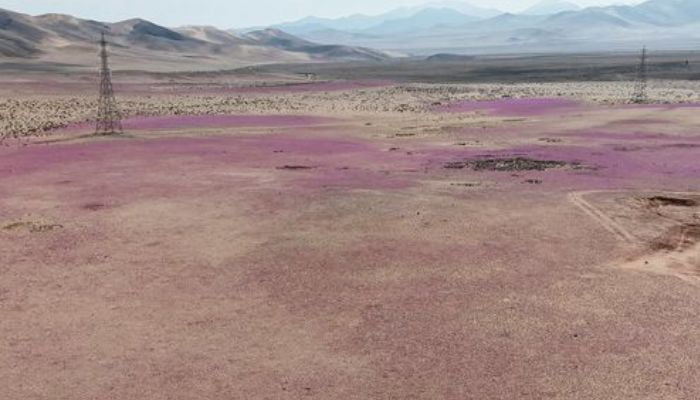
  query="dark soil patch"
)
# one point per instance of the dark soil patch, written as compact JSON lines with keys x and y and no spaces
{"x":677,"y":238}
{"x":661,"y":147}
{"x":681,"y":146}
{"x":93,"y":206}
{"x":509,"y":164}
{"x":658,"y":201}
{"x":455,"y":165}
{"x":627,"y":148}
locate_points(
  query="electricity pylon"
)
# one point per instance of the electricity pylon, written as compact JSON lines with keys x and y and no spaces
{"x":640,"y":88}
{"x":109,"y":119}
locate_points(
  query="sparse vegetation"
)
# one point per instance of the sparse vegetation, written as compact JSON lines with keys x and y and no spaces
{"x":31,"y":226}
{"x":22,"y":116}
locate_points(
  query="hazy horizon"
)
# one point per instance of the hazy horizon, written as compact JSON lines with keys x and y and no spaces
{"x":239,"y":14}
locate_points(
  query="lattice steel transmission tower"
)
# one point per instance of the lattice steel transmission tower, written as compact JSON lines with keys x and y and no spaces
{"x":640,"y":87}
{"x":109,"y":119}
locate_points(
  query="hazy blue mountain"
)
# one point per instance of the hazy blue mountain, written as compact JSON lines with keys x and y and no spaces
{"x":554,"y":25}
{"x":425,"y":19}
{"x":588,"y":19}
{"x":549,"y":7}
{"x":418,"y":15}
{"x":352,"y":23}
{"x":462,"y":7}
{"x":506,"y":22}
{"x":670,"y":12}
{"x":328,"y":35}
{"x":654,"y":13}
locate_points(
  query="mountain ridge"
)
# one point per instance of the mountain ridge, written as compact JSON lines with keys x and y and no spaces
{"x":65,"y":38}
{"x":549,"y":26}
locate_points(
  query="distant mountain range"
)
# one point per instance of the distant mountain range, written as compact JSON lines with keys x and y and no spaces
{"x":140,"y":44}
{"x":552,"y":25}
{"x":448,"y":29}
{"x":446,"y":12}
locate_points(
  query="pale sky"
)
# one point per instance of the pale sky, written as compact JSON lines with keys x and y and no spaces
{"x":239,"y":13}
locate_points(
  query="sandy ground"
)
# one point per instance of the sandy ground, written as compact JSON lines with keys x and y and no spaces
{"x":383,"y":242}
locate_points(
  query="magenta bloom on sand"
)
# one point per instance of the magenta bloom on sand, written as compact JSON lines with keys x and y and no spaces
{"x":173,"y":122}
{"x":219,"y":121}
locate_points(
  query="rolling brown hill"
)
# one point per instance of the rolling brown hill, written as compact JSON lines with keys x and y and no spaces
{"x":281,"y":40}
{"x":141,"y":44}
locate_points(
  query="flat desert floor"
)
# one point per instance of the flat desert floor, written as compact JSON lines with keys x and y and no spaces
{"x":352,"y":240}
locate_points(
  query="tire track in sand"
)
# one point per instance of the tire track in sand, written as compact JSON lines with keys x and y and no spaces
{"x":682,"y":262}
{"x":577,"y":198}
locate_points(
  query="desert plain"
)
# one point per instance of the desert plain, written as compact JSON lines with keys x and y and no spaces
{"x":273,"y":234}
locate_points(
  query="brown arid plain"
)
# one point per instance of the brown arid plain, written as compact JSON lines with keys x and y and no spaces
{"x":270,"y":235}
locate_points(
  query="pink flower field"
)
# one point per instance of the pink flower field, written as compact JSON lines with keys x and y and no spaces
{"x":320,"y":257}
{"x":219,"y":121}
